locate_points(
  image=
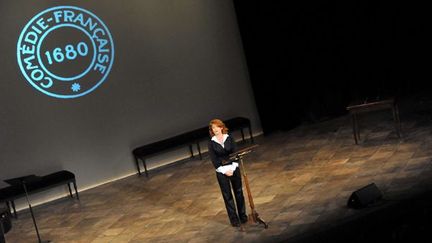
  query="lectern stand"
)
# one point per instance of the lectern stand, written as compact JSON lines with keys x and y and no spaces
{"x":239,"y":156}
{"x":2,"y":231}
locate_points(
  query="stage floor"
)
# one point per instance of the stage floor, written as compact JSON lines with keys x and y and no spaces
{"x":300,"y":180}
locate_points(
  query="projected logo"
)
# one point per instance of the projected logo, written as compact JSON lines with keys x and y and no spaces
{"x":65,"y":52}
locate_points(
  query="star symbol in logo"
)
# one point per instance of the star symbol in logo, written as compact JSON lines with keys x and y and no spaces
{"x":75,"y":87}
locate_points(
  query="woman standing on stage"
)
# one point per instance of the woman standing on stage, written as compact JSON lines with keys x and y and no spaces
{"x":228,"y":174}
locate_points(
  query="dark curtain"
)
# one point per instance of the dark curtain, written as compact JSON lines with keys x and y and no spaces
{"x":309,"y":59}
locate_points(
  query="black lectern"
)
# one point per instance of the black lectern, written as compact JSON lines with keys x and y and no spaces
{"x":24,"y":181}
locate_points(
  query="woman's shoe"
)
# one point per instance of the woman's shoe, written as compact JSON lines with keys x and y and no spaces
{"x":244,"y":220}
{"x":235,"y":224}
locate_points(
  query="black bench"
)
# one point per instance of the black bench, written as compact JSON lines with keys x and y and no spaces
{"x":189,"y":138}
{"x":9,"y":194}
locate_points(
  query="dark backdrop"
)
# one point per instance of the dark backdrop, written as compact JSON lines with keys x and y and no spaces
{"x":308,"y":59}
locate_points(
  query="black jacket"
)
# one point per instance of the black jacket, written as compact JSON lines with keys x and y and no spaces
{"x":218,"y":153}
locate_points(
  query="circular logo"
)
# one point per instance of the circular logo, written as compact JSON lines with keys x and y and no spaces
{"x":65,"y":52}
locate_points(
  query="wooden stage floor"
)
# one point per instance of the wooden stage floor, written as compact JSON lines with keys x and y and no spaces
{"x":300,"y":179}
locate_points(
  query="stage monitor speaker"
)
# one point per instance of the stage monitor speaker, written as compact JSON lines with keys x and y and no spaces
{"x":364,"y":196}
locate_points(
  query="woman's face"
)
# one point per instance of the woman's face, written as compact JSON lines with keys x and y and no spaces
{"x":216,"y":130}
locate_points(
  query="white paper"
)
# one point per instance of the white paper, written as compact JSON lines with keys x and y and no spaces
{"x":225,"y":168}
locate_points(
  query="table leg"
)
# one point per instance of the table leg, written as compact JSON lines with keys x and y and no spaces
{"x":70,"y":191}
{"x":145,"y":167}
{"x":137,"y":165}
{"x":357,"y":127}
{"x":353,"y":117}
{"x":199,"y":150}
{"x":191,"y":151}
{"x":76,"y":189}
{"x":397,"y":120}
{"x":250,"y":133}
{"x":14,"y":209}
{"x":9,"y":206}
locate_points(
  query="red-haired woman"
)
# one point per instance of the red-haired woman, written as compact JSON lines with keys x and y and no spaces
{"x":228,"y":174}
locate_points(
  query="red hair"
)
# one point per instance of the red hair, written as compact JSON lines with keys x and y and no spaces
{"x":218,"y":123}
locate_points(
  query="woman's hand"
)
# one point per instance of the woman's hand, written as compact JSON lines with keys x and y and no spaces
{"x":229,"y":173}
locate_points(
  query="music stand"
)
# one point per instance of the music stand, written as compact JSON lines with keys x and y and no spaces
{"x":239,"y":156}
{"x":22,"y":181}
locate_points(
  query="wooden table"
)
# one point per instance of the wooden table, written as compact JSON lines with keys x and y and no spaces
{"x":365,"y":107}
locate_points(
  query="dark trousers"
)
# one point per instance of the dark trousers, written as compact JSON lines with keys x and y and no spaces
{"x":225,"y":183}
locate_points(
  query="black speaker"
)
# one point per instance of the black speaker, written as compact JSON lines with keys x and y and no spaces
{"x":364,"y":196}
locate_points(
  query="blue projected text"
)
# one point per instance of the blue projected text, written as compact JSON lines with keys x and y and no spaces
{"x":65,"y":52}
{"x":70,"y":53}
